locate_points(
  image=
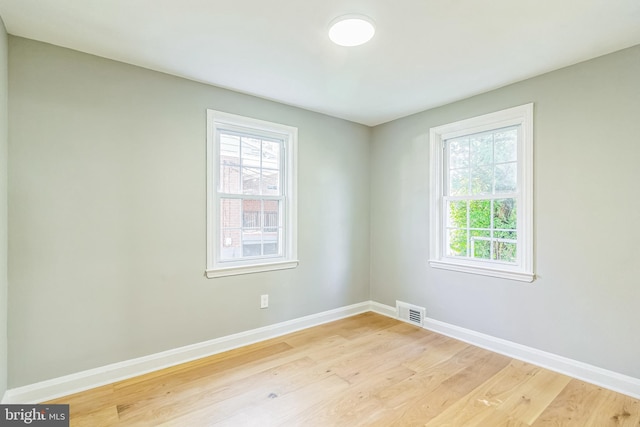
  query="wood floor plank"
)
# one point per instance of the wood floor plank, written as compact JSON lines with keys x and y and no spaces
{"x":530,"y":399}
{"x":481,"y":403}
{"x":88,"y":401}
{"x":617,"y":409}
{"x":104,"y":417}
{"x":429,"y":405}
{"x":198,"y":369}
{"x":363,"y":324}
{"x":423,"y":396}
{"x":583,"y":404}
{"x":365,"y":370}
{"x":351,"y":327}
{"x":356,"y":405}
{"x":271,"y":411}
{"x":495,"y":419}
{"x":183,"y":387}
{"x":374,"y":356}
{"x":438,"y":350}
{"x":229,"y":397}
{"x":426,"y":381}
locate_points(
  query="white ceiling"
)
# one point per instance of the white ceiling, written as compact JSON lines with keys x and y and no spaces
{"x":425,"y":53}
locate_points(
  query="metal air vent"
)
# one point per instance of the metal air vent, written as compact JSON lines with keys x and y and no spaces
{"x":410,"y":313}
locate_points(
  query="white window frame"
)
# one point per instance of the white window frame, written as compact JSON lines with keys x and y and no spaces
{"x":216,"y":121}
{"x":522,"y":269}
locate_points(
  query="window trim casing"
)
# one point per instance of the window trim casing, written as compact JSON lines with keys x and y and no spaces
{"x":289,"y":259}
{"x":523,"y":116}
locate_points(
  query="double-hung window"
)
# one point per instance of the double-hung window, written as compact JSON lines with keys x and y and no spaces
{"x":482,"y":195}
{"x":251,"y":195}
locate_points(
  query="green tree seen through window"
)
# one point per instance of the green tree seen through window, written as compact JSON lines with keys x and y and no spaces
{"x":483,"y":165}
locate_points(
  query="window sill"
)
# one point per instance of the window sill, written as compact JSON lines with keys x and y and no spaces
{"x":484,"y":271}
{"x":248,"y":269}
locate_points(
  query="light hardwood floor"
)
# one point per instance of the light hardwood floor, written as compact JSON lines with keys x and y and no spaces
{"x":366,"y":370}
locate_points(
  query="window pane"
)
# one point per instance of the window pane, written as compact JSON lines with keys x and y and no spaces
{"x":271,"y":155}
{"x":230,"y":244}
{"x":480,"y":214}
{"x":251,"y":219}
{"x":270,"y":183}
{"x":270,"y":248}
{"x":482,"y":180}
{"x":506,"y":145}
{"x":271,"y":240}
{"x":230,"y":213}
{"x":457,"y":242}
{"x":229,"y":149}
{"x":230,"y":221}
{"x":459,"y":182}
{"x":504,"y":214}
{"x":506,"y":177}
{"x":457,"y":214}
{"x":251,"y":214}
{"x":251,"y":151}
{"x":251,"y":242}
{"x":260,"y":243}
{"x":481,"y":149}
{"x":480,"y":241}
{"x":271,"y":215}
{"x":230,"y":179}
{"x":250,"y":181}
{"x":458,"y":153}
{"x":506,"y":235}
{"x":481,"y":249}
{"x":504,"y":251}
{"x":251,"y":249}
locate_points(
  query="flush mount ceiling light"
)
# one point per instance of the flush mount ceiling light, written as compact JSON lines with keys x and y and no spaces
{"x":351,"y":30}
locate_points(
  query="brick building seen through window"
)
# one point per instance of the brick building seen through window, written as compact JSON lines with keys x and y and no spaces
{"x":249,"y":227}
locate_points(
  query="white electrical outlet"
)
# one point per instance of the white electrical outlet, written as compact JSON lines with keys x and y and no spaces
{"x":264,"y":301}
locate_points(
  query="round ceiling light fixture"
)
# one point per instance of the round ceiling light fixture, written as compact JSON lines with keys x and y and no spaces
{"x":351,"y":30}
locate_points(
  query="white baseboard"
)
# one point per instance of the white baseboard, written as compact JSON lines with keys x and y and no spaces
{"x":383,"y":309}
{"x":80,"y":381}
{"x":84,"y":380}
{"x":592,"y":374}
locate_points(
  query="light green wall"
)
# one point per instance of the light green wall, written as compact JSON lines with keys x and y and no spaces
{"x":3,"y":205}
{"x":584,"y":304}
{"x":107,"y":208}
